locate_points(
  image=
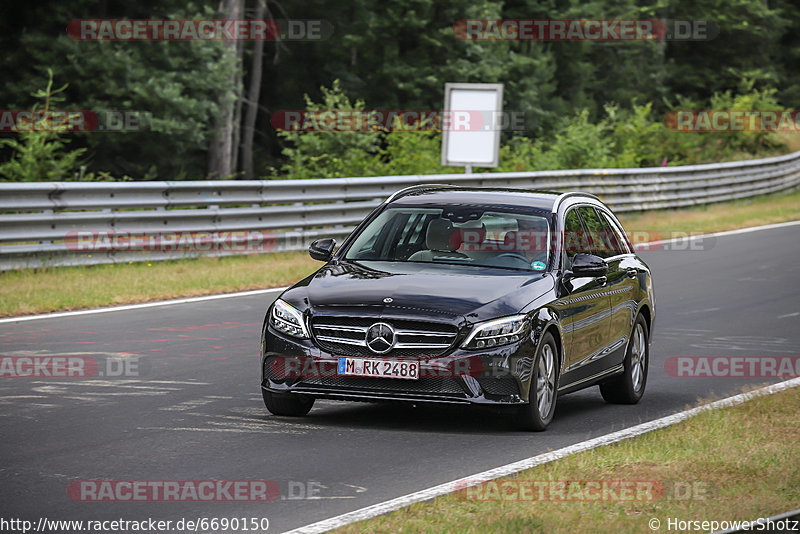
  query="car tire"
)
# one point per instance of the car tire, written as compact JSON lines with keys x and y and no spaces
{"x":292,"y":405}
{"x":628,"y":387}
{"x":538,"y":413}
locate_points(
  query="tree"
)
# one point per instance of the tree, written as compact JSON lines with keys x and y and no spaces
{"x":394,"y":54}
{"x":172,"y":86}
{"x":39,"y":153}
{"x":222,"y":143}
{"x":330,"y":154}
{"x":253,"y":93}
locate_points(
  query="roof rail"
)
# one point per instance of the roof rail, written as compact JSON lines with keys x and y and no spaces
{"x":563,"y":196}
{"x":410,"y":189}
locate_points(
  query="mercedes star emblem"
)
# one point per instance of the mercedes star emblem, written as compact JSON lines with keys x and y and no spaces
{"x":380,"y":338}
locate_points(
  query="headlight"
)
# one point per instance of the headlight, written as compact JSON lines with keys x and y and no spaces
{"x":496,"y":333}
{"x":287,"y":319}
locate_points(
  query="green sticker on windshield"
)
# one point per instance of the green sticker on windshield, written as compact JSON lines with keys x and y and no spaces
{"x":538,"y":265}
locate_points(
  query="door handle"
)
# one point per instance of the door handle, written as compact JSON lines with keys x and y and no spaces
{"x":632,"y":273}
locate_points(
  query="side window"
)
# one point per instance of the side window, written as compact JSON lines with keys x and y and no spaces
{"x":574,"y":237}
{"x":596,"y":233}
{"x":618,"y":240}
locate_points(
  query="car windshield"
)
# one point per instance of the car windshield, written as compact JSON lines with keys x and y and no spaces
{"x":470,"y":235}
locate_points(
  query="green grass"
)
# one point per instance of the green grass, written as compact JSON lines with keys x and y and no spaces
{"x":68,"y":288}
{"x":754,"y":211}
{"x":734,"y":464}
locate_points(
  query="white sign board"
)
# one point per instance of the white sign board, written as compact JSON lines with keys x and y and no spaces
{"x":472,"y":136}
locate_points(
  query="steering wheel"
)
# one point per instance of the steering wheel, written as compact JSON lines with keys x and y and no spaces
{"x":514,"y":255}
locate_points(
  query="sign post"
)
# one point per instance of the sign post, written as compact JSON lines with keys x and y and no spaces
{"x":472,"y":134}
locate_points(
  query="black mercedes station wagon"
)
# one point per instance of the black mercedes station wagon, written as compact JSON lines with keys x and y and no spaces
{"x":466,"y":295}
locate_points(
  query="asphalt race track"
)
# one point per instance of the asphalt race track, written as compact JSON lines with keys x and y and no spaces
{"x":195,"y":410}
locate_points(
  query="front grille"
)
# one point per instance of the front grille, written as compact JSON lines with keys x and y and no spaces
{"x":499,"y":385}
{"x":358,"y":383}
{"x":269,"y":371}
{"x":346,"y":336}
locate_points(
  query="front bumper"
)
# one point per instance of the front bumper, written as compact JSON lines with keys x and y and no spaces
{"x":499,"y":376}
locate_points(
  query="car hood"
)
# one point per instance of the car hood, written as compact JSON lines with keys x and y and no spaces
{"x":420,"y":289}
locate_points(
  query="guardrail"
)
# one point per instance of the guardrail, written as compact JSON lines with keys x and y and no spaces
{"x":72,"y":223}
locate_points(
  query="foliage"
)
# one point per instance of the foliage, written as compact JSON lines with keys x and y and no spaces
{"x":330,"y":154}
{"x":171,"y":86}
{"x":39,"y":151}
{"x":749,"y":99}
{"x":586,"y":103}
{"x":621,"y":138}
{"x":413,"y":153}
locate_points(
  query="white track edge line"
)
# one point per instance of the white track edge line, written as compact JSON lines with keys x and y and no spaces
{"x":512,"y":468}
{"x":55,"y":315}
{"x":723,"y":233}
{"x":153,"y":304}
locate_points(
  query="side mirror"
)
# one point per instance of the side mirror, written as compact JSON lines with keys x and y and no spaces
{"x":322,"y":249}
{"x":587,"y":265}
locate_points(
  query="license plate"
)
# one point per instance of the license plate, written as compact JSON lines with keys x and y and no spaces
{"x":368,"y":367}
